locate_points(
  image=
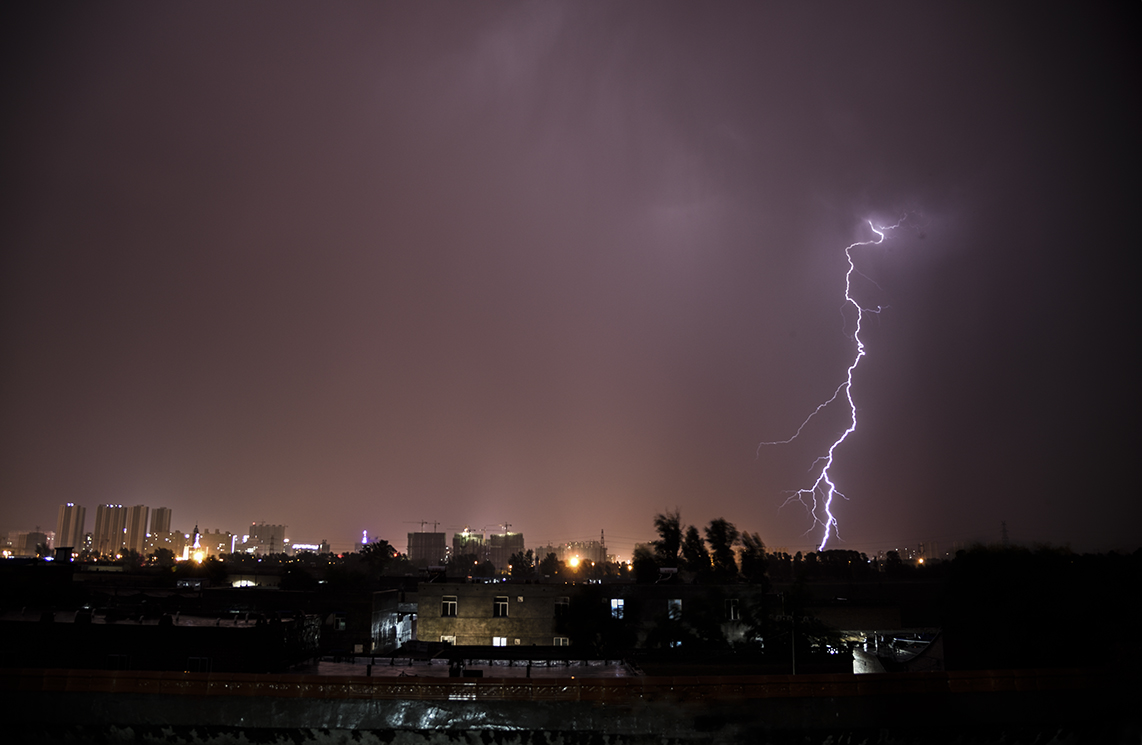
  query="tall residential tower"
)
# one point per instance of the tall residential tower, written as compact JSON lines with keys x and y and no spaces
{"x":160,"y":520}
{"x":69,"y":525}
{"x":135,"y":537}
{"x":110,"y":526}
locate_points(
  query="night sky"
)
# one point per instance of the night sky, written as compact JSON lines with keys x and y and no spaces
{"x":565,"y":265}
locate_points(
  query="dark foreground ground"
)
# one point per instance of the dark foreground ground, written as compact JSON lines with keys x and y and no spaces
{"x":1062,"y":706}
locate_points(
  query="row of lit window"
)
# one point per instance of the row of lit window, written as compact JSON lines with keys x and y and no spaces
{"x":449,"y":606}
{"x":502,"y":641}
{"x":674,"y":608}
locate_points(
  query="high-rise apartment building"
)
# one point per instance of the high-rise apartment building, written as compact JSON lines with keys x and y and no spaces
{"x":501,"y":546}
{"x":427,"y":549}
{"x":160,"y":520}
{"x":110,"y":526}
{"x":70,"y":525}
{"x":266,"y":539}
{"x":582,"y":551}
{"x":468,"y":543}
{"x":135,"y":537}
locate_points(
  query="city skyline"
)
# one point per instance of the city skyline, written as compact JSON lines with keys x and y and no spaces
{"x":567,"y":265}
{"x":262,"y":537}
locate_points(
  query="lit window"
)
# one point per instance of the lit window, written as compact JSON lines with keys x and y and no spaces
{"x":500,"y":608}
{"x":499,"y":641}
{"x":448,"y":607}
{"x":732,"y":611}
{"x":562,"y":641}
{"x":616,"y":608}
{"x":674,"y":608}
{"x":449,"y":639}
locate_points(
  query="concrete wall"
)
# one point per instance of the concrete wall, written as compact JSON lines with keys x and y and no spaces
{"x":390,"y":627}
{"x":530,"y":613}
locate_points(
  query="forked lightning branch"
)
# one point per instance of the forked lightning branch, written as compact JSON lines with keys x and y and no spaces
{"x":818,"y":498}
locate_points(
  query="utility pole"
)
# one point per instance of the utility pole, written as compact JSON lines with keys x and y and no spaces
{"x":793,"y":646}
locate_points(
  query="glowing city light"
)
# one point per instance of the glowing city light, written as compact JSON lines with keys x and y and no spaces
{"x":818,"y":498}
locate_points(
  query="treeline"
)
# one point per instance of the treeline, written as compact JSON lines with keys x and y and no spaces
{"x":720,"y":554}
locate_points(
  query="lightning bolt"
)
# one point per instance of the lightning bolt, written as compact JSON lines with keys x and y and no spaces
{"x":818,"y":498}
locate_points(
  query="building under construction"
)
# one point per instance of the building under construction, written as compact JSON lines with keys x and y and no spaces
{"x":501,"y":546}
{"x":427,"y":549}
{"x":468,"y":542}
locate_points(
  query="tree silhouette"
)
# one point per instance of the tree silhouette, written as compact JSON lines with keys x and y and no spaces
{"x":522,"y":564}
{"x":550,"y":566}
{"x":129,"y":557}
{"x":695,"y":557}
{"x":753,"y":558}
{"x":722,"y":537}
{"x":669,"y":527}
{"x":163,"y":557}
{"x":378,"y":555}
{"x":645,"y":567}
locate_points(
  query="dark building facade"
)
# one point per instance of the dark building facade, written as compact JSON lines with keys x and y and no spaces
{"x":427,"y":549}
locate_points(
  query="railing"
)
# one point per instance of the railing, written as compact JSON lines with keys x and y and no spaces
{"x":610,"y":690}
